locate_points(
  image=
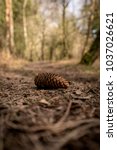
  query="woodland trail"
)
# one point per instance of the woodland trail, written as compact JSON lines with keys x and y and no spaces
{"x":61,"y":119}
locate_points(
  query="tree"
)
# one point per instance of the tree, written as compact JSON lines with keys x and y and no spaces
{"x":94,"y":51}
{"x":92,"y":31}
{"x":43,"y":38}
{"x":25,"y":23}
{"x":2,"y":25}
{"x":23,"y":10}
{"x":53,"y":42}
{"x":10,"y":27}
{"x":18,"y":28}
{"x":64,"y":6}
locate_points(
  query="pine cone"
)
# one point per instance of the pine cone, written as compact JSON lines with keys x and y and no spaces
{"x":50,"y":81}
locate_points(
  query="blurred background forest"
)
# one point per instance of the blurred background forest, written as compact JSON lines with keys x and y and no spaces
{"x":54,"y":30}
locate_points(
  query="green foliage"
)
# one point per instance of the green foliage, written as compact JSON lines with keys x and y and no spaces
{"x":91,"y":9}
{"x":19,"y":39}
{"x":2,"y":23}
{"x":32,"y":8}
{"x":2,"y":13}
{"x":18,"y":27}
{"x":45,"y":30}
{"x":70,"y":36}
{"x":17,"y":10}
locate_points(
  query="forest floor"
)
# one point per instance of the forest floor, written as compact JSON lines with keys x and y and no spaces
{"x":61,"y":119}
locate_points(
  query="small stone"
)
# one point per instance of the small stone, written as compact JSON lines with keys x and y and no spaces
{"x":78,"y":92}
{"x":43,"y":101}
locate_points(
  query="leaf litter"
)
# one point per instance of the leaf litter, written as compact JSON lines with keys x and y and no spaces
{"x":61,"y":119}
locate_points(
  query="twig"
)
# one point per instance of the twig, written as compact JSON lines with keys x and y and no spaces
{"x":66,"y":114}
{"x":74,"y":134}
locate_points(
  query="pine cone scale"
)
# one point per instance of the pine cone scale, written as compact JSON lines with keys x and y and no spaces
{"x":50,"y":80}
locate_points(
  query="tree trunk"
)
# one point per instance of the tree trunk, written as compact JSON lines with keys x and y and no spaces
{"x":43,"y":40}
{"x":64,"y":29}
{"x":9,"y":27}
{"x":31,"y":55}
{"x":64,"y":42}
{"x":25,"y":23}
{"x":94,"y":51}
{"x":87,"y":36}
{"x":42,"y":46}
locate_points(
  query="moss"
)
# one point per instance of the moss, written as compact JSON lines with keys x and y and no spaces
{"x":93,"y":53}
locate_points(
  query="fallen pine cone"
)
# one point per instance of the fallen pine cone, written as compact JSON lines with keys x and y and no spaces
{"x":50,"y":81}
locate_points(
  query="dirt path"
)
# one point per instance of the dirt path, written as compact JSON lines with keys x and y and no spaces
{"x":62,"y":119}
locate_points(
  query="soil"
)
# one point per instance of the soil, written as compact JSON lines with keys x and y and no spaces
{"x":38,"y":119}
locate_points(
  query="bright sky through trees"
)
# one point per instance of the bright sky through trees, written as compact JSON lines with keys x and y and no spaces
{"x":75,"y":6}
